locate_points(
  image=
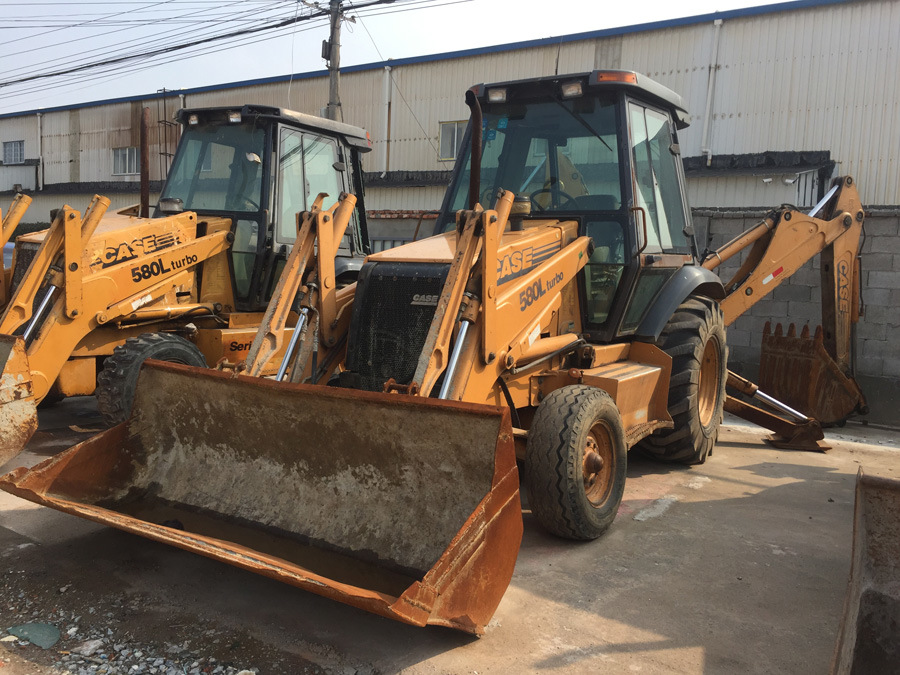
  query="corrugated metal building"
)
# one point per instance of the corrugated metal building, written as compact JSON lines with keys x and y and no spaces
{"x":782,"y":98}
{"x":789,"y":92}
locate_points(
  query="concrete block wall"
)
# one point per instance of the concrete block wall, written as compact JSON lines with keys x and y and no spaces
{"x":798,"y":301}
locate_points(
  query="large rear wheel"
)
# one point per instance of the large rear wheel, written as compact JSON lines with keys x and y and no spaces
{"x":118,"y":379}
{"x":576,"y":459}
{"x":695,"y":339}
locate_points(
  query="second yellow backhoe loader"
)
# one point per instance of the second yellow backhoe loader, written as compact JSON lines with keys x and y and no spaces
{"x":87,"y":301}
{"x":568,"y":324}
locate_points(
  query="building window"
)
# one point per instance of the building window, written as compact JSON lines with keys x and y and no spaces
{"x":451,"y":138}
{"x":14,"y":152}
{"x":126,"y":161}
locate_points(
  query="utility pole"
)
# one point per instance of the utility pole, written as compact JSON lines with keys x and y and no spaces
{"x":331,"y":52}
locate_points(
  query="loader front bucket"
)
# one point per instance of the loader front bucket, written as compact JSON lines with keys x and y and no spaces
{"x":869,"y":637}
{"x":18,"y":411}
{"x":799,"y":371}
{"x":402,"y":506}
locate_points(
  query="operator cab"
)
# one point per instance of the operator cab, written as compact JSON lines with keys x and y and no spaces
{"x":600,"y":148}
{"x":260,"y":166}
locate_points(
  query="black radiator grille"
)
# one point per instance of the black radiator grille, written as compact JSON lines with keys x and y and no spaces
{"x":25,"y":253}
{"x":392,"y":311}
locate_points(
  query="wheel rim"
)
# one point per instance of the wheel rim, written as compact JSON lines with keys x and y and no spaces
{"x":708,"y":394}
{"x":597,"y":464}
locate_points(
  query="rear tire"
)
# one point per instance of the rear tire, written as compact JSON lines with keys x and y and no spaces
{"x":695,"y":339}
{"x":118,"y":379}
{"x":576,"y":457}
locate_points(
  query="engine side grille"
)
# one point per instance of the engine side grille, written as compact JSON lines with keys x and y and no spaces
{"x":25,"y":253}
{"x":392,"y":311}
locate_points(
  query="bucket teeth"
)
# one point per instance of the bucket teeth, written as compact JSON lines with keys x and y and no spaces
{"x":798,"y":371}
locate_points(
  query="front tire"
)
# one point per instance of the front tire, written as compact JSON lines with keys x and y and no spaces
{"x":695,"y":339}
{"x":118,"y":379}
{"x":576,"y":458}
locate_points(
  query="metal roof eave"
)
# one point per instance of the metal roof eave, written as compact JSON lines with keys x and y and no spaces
{"x":792,"y":5}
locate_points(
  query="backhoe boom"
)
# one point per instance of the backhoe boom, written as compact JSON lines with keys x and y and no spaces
{"x":813,"y":376}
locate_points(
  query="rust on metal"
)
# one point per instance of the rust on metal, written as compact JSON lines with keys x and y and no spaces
{"x":799,"y":371}
{"x":868,"y":639}
{"x":402,"y":506}
{"x":18,"y":409}
{"x":790,"y":432}
{"x":788,"y":435}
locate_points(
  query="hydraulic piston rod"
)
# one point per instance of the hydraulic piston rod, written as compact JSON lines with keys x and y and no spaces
{"x":38,"y":317}
{"x":292,"y":345}
{"x":454,"y":359}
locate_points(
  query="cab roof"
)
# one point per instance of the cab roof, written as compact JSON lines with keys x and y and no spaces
{"x":356,"y":137}
{"x":641,"y":85}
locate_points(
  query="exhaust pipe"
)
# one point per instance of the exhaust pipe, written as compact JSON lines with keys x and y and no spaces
{"x":145,"y":163}
{"x":475,"y":159}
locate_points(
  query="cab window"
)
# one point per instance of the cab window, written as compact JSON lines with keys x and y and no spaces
{"x":655,"y":175}
{"x":306,"y":168}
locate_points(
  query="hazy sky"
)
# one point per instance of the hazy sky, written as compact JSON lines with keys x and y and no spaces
{"x":51,"y":35}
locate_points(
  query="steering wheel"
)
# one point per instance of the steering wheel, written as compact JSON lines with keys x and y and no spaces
{"x":570,"y":200}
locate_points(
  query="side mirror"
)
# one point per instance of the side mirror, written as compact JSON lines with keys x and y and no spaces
{"x":171,"y":205}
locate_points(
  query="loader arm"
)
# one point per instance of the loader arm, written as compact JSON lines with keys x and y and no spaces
{"x":61,"y":300}
{"x":319,"y":234}
{"x":813,"y":378}
{"x":9,"y":222}
{"x":401,"y":505}
{"x":498,"y":325}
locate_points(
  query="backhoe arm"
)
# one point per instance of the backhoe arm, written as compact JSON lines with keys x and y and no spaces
{"x":783,"y":243}
{"x":801,"y":376}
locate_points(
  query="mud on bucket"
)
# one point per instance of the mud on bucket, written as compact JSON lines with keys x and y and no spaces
{"x":403,"y":506}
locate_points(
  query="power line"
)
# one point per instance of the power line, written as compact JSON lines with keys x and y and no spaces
{"x":155,"y":52}
{"x":56,"y":30}
{"x":120,"y":62}
{"x":142,"y":40}
{"x":123,"y":70}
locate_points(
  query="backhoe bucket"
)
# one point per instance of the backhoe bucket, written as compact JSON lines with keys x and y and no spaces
{"x":403,"y":506}
{"x":869,"y":637}
{"x":800,"y":372}
{"x":18,"y":411}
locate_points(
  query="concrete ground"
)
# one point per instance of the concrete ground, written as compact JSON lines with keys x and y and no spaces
{"x":738,"y":565}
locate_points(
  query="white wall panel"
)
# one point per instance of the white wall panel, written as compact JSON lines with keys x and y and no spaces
{"x":405,"y":199}
{"x":821,"y":78}
{"x":17,"y":174}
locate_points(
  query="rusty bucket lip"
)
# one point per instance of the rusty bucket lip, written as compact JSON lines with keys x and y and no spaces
{"x":415,"y":606}
{"x":871,"y":572}
{"x":432,"y":598}
{"x":334,"y":392}
{"x":23,"y":417}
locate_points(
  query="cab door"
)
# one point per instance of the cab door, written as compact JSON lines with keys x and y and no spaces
{"x":658,"y":207}
{"x":308,"y":164}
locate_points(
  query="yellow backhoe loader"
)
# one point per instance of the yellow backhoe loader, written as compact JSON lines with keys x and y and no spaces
{"x":87,"y":301}
{"x":569,"y":323}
